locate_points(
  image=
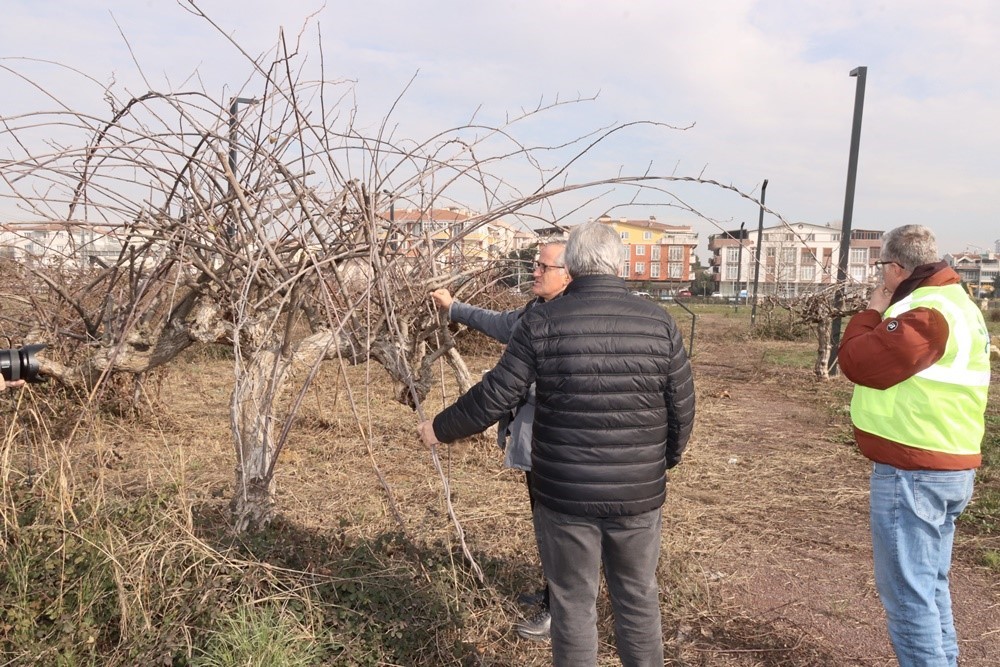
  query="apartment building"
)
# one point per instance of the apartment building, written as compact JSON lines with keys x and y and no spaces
{"x":794,"y":259}
{"x":458,"y":231}
{"x":978,"y":270}
{"x":656,"y":254}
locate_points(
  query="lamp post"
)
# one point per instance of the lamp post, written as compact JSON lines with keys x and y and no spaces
{"x":234,"y":104}
{"x":845,"y":234}
{"x":739,"y":266}
{"x":395,"y":245}
{"x":756,"y":263}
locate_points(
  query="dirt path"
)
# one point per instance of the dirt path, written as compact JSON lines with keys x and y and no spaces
{"x":785,"y":521}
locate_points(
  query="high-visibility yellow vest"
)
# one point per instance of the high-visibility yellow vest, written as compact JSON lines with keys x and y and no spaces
{"x":941,"y":408}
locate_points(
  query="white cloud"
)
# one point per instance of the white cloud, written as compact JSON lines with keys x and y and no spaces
{"x":765,"y":81}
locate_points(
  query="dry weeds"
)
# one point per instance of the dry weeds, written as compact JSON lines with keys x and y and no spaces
{"x":765,"y":551}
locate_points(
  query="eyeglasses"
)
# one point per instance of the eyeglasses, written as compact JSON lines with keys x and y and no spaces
{"x":879,"y":264}
{"x":543,"y":267}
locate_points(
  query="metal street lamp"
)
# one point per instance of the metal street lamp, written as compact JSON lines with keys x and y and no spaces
{"x":234,"y":104}
{"x":739,"y":266}
{"x":845,"y":234}
{"x":756,"y":262}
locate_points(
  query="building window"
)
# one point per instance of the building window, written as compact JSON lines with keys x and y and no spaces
{"x":647,"y":236}
{"x":640,"y":250}
{"x":654,"y":270}
{"x":654,"y":253}
{"x":788,"y":255}
{"x":675,"y":270}
{"x":640,"y":268}
{"x":675,"y":253}
{"x":626,"y":270}
{"x":732,"y":272}
{"x":732,"y":255}
{"x":628,"y":250}
{"x":858,"y":255}
{"x":624,"y":236}
{"x":807,"y":272}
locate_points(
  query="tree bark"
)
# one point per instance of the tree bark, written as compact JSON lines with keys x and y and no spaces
{"x":823,"y":331}
{"x":462,"y":374}
{"x":256,"y":393}
{"x":253,"y":427}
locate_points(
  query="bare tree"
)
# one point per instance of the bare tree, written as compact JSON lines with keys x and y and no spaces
{"x":263,"y":222}
{"x":819,"y":309}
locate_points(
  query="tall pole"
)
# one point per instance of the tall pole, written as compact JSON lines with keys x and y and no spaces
{"x":234,"y":104}
{"x":739,"y":266}
{"x":845,"y":234}
{"x":756,"y":262}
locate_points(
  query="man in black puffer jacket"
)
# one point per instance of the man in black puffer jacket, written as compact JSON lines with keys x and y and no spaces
{"x":614,"y":410}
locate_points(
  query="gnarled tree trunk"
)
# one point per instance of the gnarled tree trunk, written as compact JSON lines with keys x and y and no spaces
{"x":823,"y":351}
{"x":254,"y":412}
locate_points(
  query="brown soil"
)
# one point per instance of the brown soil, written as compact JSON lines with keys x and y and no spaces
{"x":785,"y":520}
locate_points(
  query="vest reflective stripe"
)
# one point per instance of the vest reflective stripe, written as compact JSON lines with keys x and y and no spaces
{"x":954,"y":376}
{"x":941,"y":408}
{"x":957,"y":371}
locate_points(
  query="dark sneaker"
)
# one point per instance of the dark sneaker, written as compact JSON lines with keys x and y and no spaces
{"x":536,"y":628}
{"x":531,"y":599}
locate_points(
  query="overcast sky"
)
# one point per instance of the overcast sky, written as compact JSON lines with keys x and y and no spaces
{"x":765,"y":83}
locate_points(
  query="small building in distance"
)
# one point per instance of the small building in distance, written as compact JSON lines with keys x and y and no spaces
{"x":978,"y":270}
{"x":68,"y":244}
{"x":659,"y":258}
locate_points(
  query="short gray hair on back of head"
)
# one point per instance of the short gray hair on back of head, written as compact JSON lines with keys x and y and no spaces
{"x":910,"y":245}
{"x":594,"y":249}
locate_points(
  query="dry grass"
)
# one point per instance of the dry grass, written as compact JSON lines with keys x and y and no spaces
{"x":764,"y":549}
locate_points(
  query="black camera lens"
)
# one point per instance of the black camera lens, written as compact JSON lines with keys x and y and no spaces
{"x":21,"y":364}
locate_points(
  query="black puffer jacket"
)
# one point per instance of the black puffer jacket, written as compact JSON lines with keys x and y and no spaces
{"x":615,"y":399}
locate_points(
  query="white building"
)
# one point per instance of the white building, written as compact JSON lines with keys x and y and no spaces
{"x":794,"y":259}
{"x":74,"y":243}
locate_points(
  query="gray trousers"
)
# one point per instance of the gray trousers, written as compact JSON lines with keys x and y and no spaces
{"x":573,"y":549}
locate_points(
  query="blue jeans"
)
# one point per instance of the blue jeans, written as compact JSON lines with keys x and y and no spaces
{"x":573,"y":549}
{"x":913,"y":516}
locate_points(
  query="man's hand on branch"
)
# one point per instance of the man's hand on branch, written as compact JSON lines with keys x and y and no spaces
{"x":10,"y":385}
{"x":426,"y":431}
{"x":442,"y":298}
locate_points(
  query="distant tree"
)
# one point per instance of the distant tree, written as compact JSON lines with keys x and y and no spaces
{"x":819,"y":309}
{"x":517,"y":267}
{"x":704,"y":284}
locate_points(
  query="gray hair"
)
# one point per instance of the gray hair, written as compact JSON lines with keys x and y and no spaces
{"x":910,"y":246}
{"x":594,"y":249}
{"x":561,"y":257}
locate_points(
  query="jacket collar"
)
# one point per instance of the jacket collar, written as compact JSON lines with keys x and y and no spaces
{"x":596,"y":283}
{"x":937,"y":274}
